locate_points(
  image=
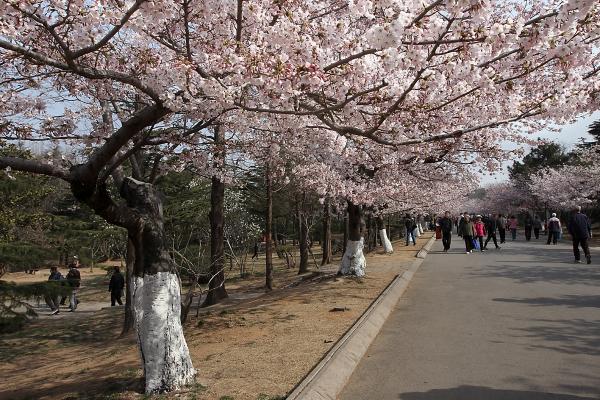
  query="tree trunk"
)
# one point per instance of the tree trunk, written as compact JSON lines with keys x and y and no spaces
{"x":268,"y":230}
{"x":353,"y":261}
{"x":156,"y":295}
{"x":326,"y":244}
{"x":385,"y":242}
{"x":129,"y":265}
{"x":216,"y":285}
{"x":303,"y":236}
{"x":346,"y":232}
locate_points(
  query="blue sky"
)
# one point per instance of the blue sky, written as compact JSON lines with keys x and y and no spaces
{"x":569,"y":136}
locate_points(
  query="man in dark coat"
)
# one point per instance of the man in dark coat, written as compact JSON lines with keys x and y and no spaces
{"x":74,"y":281}
{"x":115,"y":287}
{"x":580,"y":230}
{"x":446,"y":228}
{"x":491,"y":227}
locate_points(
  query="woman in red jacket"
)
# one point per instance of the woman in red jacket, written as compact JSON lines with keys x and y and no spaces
{"x":479,"y":231}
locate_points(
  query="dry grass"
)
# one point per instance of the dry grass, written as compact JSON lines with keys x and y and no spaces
{"x":253,"y":346}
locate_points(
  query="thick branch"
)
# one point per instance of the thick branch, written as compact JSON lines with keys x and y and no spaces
{"x":35,"y":167}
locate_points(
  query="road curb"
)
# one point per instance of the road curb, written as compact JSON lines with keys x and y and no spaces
{"x":327,"y":379}
{"x":425,"y":250}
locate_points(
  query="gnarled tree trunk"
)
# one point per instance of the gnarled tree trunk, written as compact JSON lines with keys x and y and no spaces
{"x":353,"y":261}
{"x":156,"y":295}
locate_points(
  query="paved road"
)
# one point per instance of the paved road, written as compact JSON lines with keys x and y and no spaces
{"x":520,"y":323}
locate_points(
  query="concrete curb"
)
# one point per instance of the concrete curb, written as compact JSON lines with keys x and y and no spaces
{"x":328,"y":378}
{"x":425,"y":250}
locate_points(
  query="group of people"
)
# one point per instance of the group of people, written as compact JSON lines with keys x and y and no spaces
{"x":473,"y":230}
{"x":73,"y":282}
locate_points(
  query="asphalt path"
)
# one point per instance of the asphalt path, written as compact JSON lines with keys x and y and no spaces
{"x":519,"y":323}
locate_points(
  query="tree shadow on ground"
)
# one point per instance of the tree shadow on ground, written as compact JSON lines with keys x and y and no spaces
{"x":570,"y":336}
{"x":485,"y":393}
{"x":97,"y":389}
{"x":42,"y":335}
{"x":577,"y":274}
{"x":571,"y":301}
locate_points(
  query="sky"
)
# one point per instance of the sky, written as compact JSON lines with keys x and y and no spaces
{"x":569,"y":135}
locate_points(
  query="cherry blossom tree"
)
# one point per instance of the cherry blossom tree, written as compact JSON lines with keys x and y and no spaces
{"x":402,"y":90}
{"x":571,"y":185}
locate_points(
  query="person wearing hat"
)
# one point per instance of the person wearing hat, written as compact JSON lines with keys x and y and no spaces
{"x":554,"y":229}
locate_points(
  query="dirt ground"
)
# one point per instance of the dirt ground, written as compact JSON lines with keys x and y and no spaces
{"x":253,"y":346}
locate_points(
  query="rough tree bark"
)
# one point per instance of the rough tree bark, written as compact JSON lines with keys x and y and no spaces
{"x":385,"y":242}
{"x":216,"y":286}
{"x":353,"y":261}
{"x":268,"y":229}
{"x":156,"y":293}
{"x":326,"y":244}
{"x":129,"y":265}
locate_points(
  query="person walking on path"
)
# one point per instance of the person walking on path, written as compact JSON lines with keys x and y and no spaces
{"x":501,"y":224}
{"x":116,"y":286}
{"x":512,"y":225}
{"x":537,"y":226}
{"x":554,"y":229}
{"x":528,"y":227}
{"x":74,"y":280}
{"x":410,"y":225}
{"x":480,"y":232}
{"x":462,"y":219}
{"x":491,"y":226}
{"x":446,"y":227}
{"x":467,"y":231}
{"x":52,"y":298}
{"x":580,"y":229}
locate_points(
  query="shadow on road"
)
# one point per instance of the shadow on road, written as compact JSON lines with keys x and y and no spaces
{"x":572,"y":336}
{"x":576,"y":274}
{"x":485,"y":393}
{"x":571,"y":301}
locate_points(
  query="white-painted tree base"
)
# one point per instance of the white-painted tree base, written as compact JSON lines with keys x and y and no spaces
{"x":353,"y":261}
{"x":387,"y":245}
{"x":164,"y":351}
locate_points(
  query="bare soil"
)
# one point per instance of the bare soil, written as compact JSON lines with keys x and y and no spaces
{"x":255,"y":345}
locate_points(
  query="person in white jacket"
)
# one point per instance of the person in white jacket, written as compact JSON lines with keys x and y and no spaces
{"x":554,"y":229}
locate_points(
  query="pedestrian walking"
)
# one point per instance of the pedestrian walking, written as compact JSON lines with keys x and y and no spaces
{"x":501,"y":224}
{"x":446,"y":228}
{"x":554,"y":229}
{"x":116,"y":286}
{"x":255,"y":255}
{"x":467,"y":231}
{"x":528,"y":227}
{"x":74,"y":281}
{"x":580,"y":229}
{"x":411,"y":226}
{"x":491,"y":226}
{"x":537,"y":226}
{"x":512,"y":224}
{"x":461,"y":221}
{"x":52,"y":298}
{"x":480,"y":232}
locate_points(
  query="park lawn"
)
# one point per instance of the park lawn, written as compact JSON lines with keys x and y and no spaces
{"x":252,"y":346}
